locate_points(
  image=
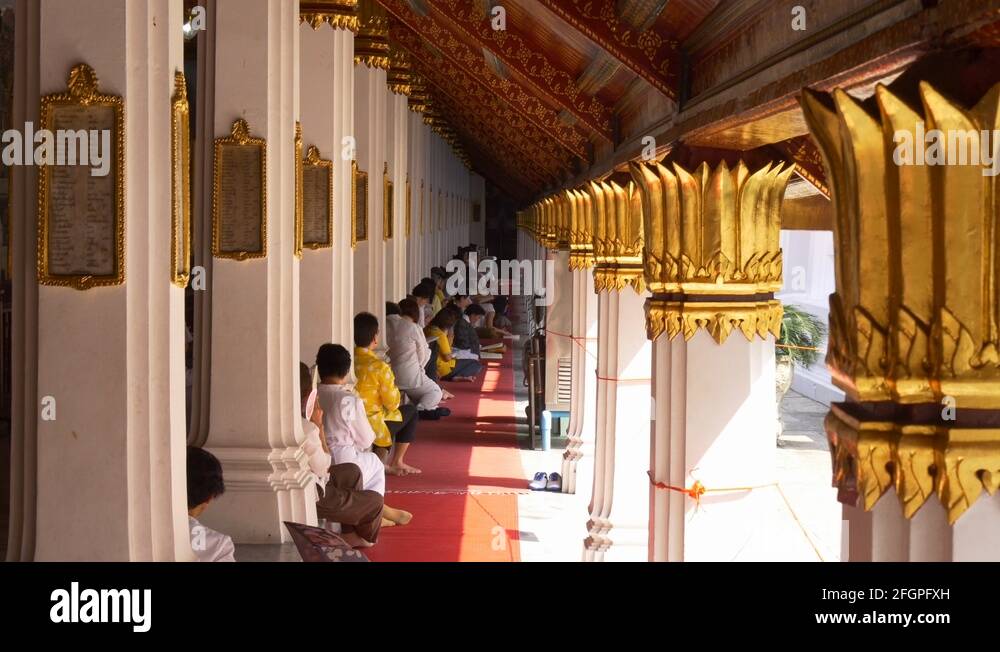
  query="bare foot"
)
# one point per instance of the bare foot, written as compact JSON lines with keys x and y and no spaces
{"x":445,"y":395}
{"x":463,"y":379}
{"x":410,"y":469}
{"x":395,"y":470}
{"x":386,"y":522}
{"x":397,"y":516}
{"x":355,"y":541}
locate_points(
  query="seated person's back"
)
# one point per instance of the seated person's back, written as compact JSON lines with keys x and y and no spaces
{"x":205,"y":484}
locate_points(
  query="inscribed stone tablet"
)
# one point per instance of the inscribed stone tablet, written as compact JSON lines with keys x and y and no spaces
{"x":241,"y":201}
{"x":316,"y":202}
{"x":82,"y":211}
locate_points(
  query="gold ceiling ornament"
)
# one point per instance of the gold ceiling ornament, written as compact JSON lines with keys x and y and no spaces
{"x":418,"y":97}
{"x":339,"y":14}
{"x":617,"y":236}
{"x":371,"y":45}
{"x":400,"y":75}
{"x":914,"y":321}
{"x":712,"y":255}
{"x":915,"y":316}
{"x":581,"y":240}
{"x":870,"y":456}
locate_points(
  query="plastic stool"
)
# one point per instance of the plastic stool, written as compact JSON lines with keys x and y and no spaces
{"x":547,"y":426}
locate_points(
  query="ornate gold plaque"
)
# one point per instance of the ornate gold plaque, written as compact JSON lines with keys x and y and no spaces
{"x":239,"y":195}
{"x":317,"y":200}
{"x":81,"y":229}
{"x":387,"y":214}
{"x":359,"y":205}
{"x":180,"y":184}
{"x":298,"y":190}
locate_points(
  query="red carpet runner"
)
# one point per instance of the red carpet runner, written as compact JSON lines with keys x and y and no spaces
{"x":464,"y":504}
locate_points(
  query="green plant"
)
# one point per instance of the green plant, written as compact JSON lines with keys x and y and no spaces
{"x":802,"y":334}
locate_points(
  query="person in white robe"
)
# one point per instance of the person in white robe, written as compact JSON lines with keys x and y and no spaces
{"x":349,"y":435}
{"x":314,"y":443}
{"x":408,"y":356}
{"x":205,"y":484}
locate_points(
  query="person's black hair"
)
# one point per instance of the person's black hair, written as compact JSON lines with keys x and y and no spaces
{"x":305,"y":381}
{"x":474,"y":309}
{"x":444,"y":319}
{"x":365,"y":329}
{"x":333,"y":361}
{"x":451,"y":307}
{"x":409,"y":308}
{"x":427,"y":280}
{"x":423,"y":291}
{"x":204,"y":477}
{"x":391,"y":308}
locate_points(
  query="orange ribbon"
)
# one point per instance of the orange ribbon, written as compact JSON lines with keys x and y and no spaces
{"x":697,"y":490}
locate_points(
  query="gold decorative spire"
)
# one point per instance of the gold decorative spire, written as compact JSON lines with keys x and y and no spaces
{"x":712,"y":257}
{"x":914,"y":320}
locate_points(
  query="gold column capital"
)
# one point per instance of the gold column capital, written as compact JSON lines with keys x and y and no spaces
{"x":581,"y":239}
{"x":915,"y":320}
{"x":712,"y":255}
{"x":617,"y":235}
{"x":917,"y":460}
{"x":339,"y":14}
{"x":915,"y":315}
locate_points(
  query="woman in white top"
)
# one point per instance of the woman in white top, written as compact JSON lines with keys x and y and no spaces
{"x":408,"y":356}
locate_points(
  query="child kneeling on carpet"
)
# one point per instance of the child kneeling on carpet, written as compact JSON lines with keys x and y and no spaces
{"x":349,"y":435}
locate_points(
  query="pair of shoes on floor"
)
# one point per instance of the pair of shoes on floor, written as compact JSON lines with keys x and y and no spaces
{"x":546,"y":482}
{"x":435,"y":414}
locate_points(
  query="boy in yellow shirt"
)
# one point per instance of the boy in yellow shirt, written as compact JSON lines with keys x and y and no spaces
{"x":377,"y":388}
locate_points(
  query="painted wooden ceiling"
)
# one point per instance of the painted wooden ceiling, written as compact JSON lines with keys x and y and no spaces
{"x":532,"y":103}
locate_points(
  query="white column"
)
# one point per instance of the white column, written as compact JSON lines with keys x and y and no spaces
{"x":116,"y":445}
{"x":558,"y":324}
{"x":396,"y":287}
{"x":370,"y":127}
{"x":255,"y":424}
{"x":327,"y":105}
{"x":620,"y":498}
{"x":713,"y":403}
{"x":578,"y":459}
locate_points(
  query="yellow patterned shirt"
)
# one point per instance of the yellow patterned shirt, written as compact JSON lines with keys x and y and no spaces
{"x":444,"y":367}
{"x":377,"y":388}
